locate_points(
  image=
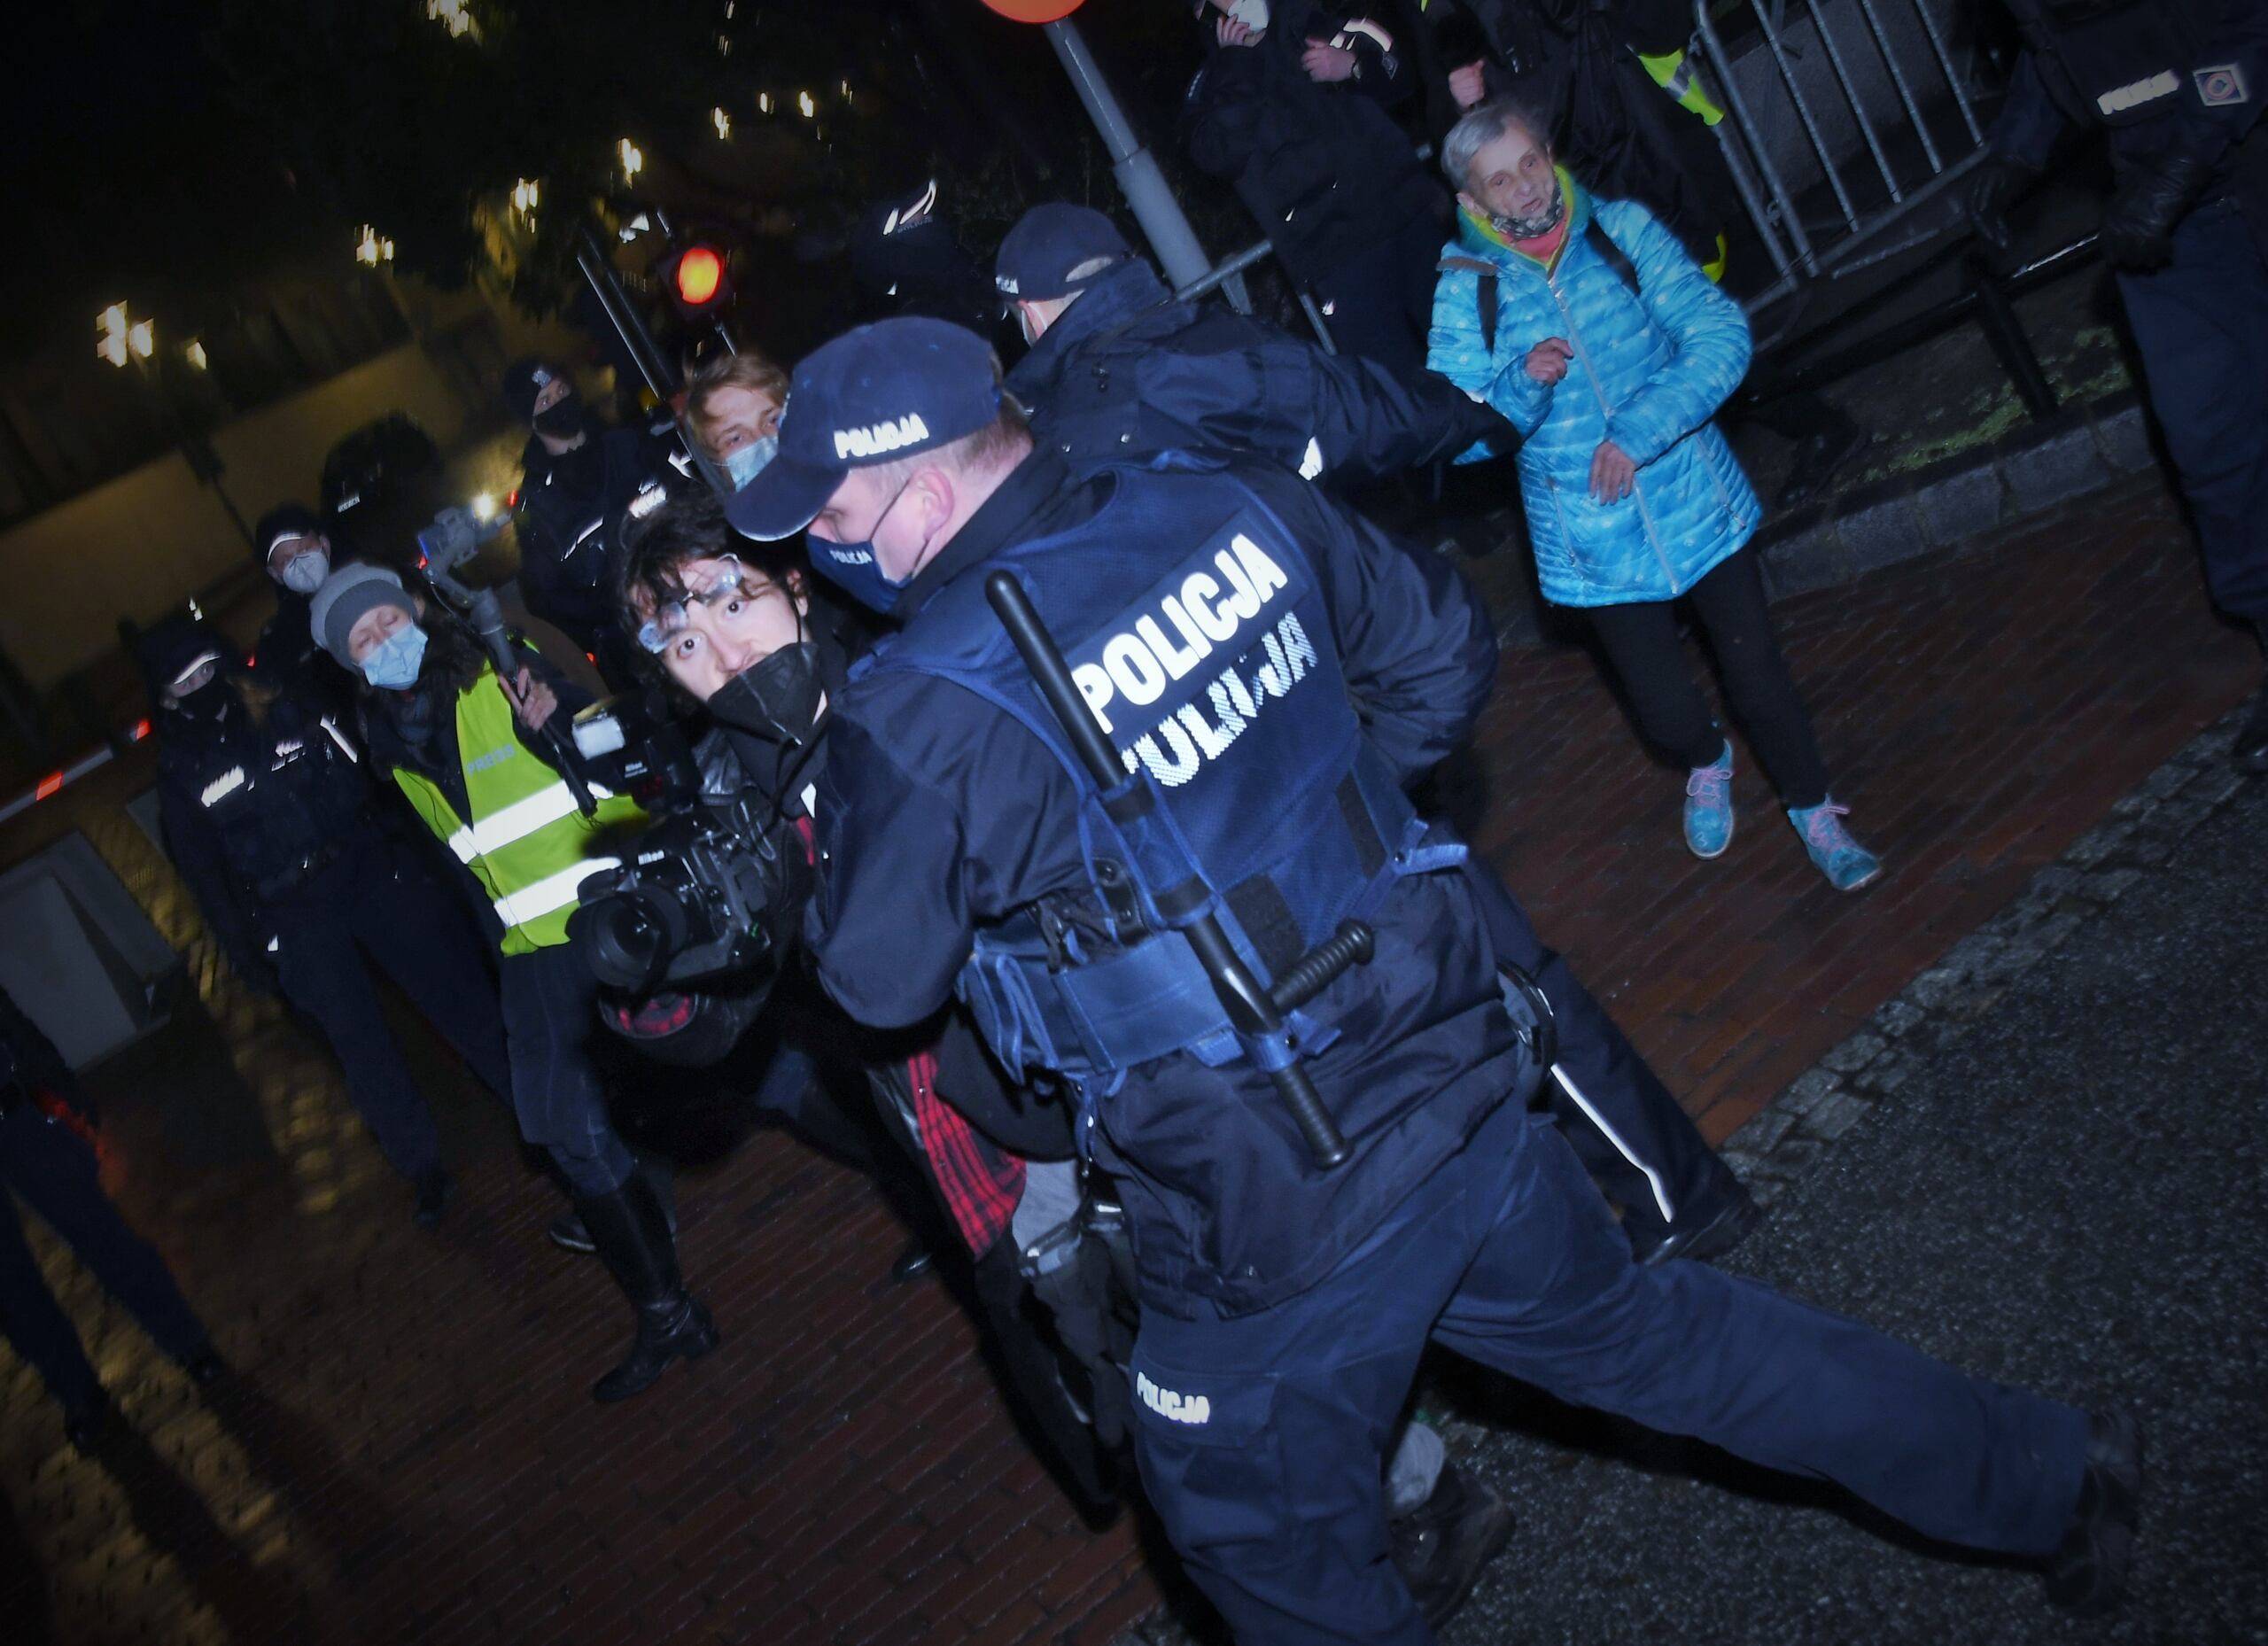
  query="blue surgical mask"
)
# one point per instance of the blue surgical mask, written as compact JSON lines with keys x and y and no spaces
{"x":303,"y":574}
{"x":742,"y":464}
{"x":853,"y":568}
{"x":394,"y":661}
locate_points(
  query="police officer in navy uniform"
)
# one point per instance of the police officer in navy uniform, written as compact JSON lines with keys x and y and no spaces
{"x":270,"y":814}
{"x":47,"y":1158}
{"x":1119,"y":372}
{"x":295,"y":550}
{"x":2177,"y":88}
{"x":1270,"y":671}
{"x":577,"y":480}
{"x":1119,"y":368}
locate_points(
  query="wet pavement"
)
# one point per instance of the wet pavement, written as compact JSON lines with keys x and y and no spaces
{"x":409,"y":1450}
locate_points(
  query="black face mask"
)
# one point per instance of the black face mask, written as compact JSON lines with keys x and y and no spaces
{"x":777,"y":700}
{"x":208,"y":701}
{"x":561,"y":420}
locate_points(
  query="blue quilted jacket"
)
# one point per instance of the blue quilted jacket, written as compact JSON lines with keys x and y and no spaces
{"x":1649,"y":370}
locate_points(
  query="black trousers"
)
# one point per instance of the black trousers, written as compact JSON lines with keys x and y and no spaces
{"x":53,"y":1170}
{"x":1638,"y":1145}
{"x":379,"y":906}
{"x":1640,"y":643}
{"x":550,"y":1029}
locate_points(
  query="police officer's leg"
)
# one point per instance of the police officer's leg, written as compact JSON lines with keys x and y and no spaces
{"x":1261,"y":1439}
{"x":421,"y":935}
{"x":550,"y":1016}
{"x":1553,"y":1297}
{"x":2201,"y":324}
{"x":34,"y":1322}
{"x":322,"y":974}
{"x":1642,"y":1148}
{"x":54,"y":1171}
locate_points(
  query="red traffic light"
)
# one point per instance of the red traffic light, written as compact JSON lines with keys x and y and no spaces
{"x":700,"y":277}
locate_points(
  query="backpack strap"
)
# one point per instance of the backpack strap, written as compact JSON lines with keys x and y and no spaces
{"x":1489,"y":298}
{"x":1613,"y":255}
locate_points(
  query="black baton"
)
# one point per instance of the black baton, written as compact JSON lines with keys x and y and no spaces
{"x":1251,"y":1010}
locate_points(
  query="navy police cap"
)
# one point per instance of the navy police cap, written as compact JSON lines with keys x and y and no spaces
{"x":1037,"y":256}
{"x":873,"y":395}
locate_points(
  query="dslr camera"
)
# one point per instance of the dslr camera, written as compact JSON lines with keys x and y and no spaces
{"x":714,"y":887}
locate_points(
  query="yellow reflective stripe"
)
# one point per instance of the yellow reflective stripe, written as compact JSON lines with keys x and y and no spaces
{"x":550,"y":894}
{"x":1675,"y":74}
{"x":1715,"y":267}
{"x":524,"y":816}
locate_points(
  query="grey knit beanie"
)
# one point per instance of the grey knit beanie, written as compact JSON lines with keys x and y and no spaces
{"x":347,"y":594}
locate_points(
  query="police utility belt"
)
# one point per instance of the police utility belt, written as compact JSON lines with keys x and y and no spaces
{"x":1051,"y":998}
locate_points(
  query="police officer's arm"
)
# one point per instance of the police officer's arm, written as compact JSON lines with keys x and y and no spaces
{"x":1384,"y":71}
{"x":1415,"y":641}
{"x":2029,"y":127}
{"x":910,"y":856}
{"x":1371,"y":423}
{"x":1708,"y":332}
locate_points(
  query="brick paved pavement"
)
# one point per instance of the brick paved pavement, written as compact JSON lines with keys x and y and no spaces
{"x":411,"y":1453}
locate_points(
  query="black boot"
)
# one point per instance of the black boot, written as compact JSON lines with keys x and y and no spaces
{"x":1709,"y":1233}
{"x":2087,"y":1573}
{"x":632,"y":1237}
{"x":1440,"y":1546}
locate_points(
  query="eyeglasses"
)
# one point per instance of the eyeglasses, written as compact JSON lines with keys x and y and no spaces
{"x":669,"y":619}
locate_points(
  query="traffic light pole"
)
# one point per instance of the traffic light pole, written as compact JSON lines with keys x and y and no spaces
{"x":1154,"y":207}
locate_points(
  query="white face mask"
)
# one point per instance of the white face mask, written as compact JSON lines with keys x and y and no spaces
{"x":1252,"y":13}
{"x":304,"y":574}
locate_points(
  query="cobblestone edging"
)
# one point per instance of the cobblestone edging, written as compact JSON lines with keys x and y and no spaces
{"x":1786,"y":1140}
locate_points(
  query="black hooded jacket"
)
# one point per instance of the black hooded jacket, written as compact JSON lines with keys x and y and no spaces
{"x":1323,"y":167}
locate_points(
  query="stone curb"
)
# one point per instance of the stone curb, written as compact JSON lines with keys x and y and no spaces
{"x":2081,"y":449}
{"x":1787,"y":1139}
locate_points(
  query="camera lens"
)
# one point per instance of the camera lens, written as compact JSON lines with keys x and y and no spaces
{"x":629,"y":937}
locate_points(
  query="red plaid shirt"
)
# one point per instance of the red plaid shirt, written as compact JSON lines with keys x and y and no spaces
{"x":981,"y":1184}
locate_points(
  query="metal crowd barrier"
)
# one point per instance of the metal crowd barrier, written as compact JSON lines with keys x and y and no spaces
{"x":1845,"y":118}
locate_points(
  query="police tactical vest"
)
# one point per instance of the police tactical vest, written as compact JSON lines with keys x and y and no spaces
{"x":529,"y":847}
{"x":1192,"y":621}
{"x":282,"y":793}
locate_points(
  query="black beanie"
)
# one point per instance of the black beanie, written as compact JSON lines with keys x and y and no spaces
{"x":285,"y":520}
{"x":523,"y":380}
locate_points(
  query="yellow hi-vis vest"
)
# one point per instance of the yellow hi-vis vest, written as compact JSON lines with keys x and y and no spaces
{"x":529,"y":845}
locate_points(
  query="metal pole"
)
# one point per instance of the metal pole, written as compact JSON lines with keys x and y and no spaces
{"x":1179,"y":252}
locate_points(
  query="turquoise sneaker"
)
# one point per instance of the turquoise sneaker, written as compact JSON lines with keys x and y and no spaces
{"x":1846,"y":863}
{"x":1709,"y":807}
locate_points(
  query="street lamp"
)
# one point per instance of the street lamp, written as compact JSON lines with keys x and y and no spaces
{"x":722,"y":122}
{"x":371,"y":248}
{"x":633,"y":160}
{"x":764,"y":103}
{"x":122,"y":340}
{"x":525,"y":196}
{"x":193,"y":352}
{"x":803,"y":102}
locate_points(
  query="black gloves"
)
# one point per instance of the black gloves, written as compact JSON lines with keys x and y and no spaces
{"x":2153,"y":193}
{"x":1998,"y":179}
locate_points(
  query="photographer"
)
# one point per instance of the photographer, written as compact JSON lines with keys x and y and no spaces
{"x":735,"y":630}
{"x":471,"y":754}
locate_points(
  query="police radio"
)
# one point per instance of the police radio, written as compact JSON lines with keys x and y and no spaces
{"x":1255,"y":1012}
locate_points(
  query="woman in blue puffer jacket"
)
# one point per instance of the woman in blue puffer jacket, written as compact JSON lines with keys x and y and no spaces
{"x":1611,"y":351}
